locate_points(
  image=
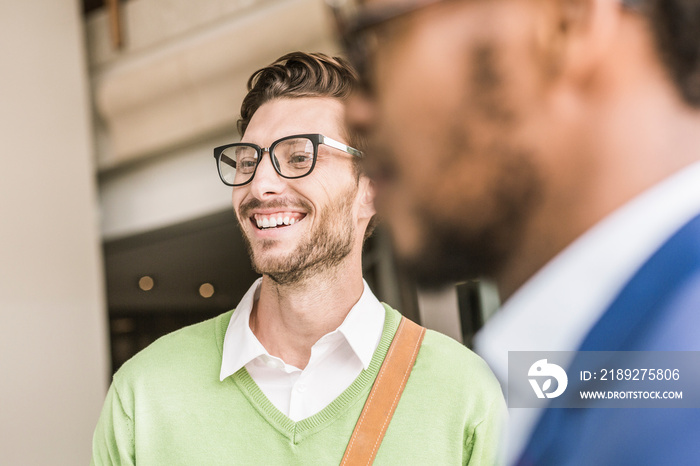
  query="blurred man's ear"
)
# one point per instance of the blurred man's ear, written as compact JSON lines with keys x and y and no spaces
{"x":366,"y":193}
{"x":573,"y":36}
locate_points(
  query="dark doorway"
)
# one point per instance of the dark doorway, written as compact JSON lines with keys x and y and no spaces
{"x":165,"y":279}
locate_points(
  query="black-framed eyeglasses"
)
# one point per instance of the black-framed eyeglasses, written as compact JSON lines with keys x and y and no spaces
{"x":356,"y":26}
{"x":292,"y":156}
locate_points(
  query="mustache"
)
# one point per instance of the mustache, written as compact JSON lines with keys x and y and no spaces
{"x":252,"y":204}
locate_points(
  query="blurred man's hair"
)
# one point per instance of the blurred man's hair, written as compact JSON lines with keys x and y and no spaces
{"x":676,"y":28}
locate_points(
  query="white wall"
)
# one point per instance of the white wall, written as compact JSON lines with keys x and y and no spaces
{"x":163,"y":191}
{"x":53,"y":363}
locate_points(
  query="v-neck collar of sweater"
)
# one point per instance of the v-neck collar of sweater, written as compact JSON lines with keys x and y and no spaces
{"x":298,"y":431}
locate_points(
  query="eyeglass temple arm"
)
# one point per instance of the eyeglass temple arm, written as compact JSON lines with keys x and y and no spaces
{"x":227,"y":160}
{"x":340,"y":146}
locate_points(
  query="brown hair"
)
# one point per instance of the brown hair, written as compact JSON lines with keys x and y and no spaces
{"x":298,"y":74}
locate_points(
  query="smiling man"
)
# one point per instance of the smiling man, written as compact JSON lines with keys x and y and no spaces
{"x":283,"y":379}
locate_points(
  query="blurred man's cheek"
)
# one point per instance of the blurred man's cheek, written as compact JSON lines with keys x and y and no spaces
{"x":360,"y":113}
{"x":396,"y":208}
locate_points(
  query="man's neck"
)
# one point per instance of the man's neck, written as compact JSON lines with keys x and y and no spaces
{"x":289,"y":319}
{"x":637,"y":143}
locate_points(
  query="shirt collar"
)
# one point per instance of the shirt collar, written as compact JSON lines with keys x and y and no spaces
{"x":568,"y":295}
{"x":557,"y":307}
{"x":240,"y":344}
{"x":363,"y":326}
{"x":361,"y":329}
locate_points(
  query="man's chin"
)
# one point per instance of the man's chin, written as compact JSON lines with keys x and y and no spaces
{"x":284,"y":267}
{"x":434,"y":272}
{"x":450,"y":258}
{"x":268,"y":266}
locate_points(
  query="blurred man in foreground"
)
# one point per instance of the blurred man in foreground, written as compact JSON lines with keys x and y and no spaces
{"x":283,"y":379}
{"x":553,"y":146}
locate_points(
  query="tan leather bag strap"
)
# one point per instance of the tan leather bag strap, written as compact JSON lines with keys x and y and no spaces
{"x":386,"y":391}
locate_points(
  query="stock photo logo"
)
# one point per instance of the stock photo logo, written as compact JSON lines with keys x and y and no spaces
{"x":542,"y":373}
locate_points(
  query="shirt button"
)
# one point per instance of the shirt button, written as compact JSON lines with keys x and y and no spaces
{"x":301,"y":388}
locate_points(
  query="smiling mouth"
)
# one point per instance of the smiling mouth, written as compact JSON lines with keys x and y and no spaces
{"x":276,"y":220}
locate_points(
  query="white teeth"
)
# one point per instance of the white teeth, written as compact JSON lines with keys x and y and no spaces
{"x":275,"y":221}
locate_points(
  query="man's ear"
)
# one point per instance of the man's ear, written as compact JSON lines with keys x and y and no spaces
{"x":573,"y":36}
{"x":366,"y":193}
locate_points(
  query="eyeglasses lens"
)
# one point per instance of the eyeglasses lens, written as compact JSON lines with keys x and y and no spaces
{"x":292,"y":158}
{"x":295,"y":157}
{"x":237,"y":164}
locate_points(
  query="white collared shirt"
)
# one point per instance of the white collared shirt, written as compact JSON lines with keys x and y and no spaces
{"x":557,"y":307}
{"x":336,"y":360}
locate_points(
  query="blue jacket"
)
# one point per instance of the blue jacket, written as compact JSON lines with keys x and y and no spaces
{"x":658,"y":310}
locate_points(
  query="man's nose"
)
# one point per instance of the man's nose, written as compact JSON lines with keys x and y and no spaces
{"x":266,"y":182}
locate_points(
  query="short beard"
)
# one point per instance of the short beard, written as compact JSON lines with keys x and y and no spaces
{"x":328,"y":245}
{"x":453,"y":251}
{"x":455,"y":247}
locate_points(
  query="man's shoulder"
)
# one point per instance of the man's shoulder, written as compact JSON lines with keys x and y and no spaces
{"x":455,"y":379}
{"x":659,"y":303}
{"x":198,"y":345}
{"x":454,"y":360}
{"x":447,"y":359}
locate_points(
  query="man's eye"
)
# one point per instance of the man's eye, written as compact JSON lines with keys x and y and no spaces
{"x":300,"y":158}
{"x":246,"y":165}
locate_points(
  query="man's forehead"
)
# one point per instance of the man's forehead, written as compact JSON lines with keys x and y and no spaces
{"x":286,"y":116}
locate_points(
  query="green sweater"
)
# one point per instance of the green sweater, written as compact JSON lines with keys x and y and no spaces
{"x":166,"y":406}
